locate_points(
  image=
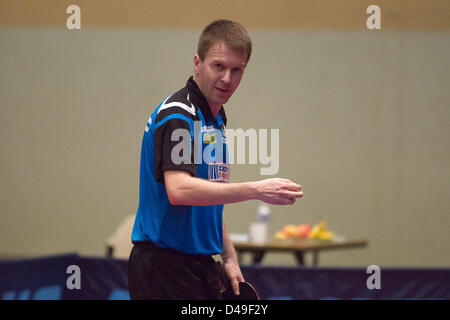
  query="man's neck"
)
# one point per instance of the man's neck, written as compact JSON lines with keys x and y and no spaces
{"x":214,"y":108}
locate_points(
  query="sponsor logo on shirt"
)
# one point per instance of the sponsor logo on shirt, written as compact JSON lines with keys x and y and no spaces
{"x":218,"y":172}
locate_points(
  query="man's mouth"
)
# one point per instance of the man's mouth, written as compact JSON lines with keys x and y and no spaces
{"x":223,"y":90}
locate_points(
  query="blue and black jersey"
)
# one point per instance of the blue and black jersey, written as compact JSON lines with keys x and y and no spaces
{"x":181,"y":134}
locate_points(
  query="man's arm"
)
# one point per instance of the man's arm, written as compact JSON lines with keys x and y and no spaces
{"x":183,"y":189}
{"x":230,"y":261}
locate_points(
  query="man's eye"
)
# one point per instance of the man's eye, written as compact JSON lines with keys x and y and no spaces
{"x":218,"y":65}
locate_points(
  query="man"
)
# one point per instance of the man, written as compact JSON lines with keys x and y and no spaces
{"x":179,"y":224}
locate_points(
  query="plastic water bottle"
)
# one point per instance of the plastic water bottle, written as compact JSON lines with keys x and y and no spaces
{"x":259,"y":229}
{"x":263,"y":213}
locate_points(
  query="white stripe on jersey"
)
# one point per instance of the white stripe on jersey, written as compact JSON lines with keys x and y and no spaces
{"x":190,"y":109}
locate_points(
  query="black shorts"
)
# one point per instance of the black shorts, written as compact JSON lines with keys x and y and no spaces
{"x":156,"y":273}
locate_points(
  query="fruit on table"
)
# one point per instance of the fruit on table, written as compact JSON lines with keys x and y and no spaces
{"x":290,"y":231}
{"x":325,"y":235}
{"x":279,"y":235}
{"x":303,"y":230}
{"x":319,"y":231}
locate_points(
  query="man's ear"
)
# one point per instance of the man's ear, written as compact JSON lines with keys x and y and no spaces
{"x":196,"y":63}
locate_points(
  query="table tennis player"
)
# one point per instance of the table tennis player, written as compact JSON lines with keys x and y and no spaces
{"x":184,"y":179}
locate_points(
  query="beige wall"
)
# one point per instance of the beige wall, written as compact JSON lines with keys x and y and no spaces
{"x":402,"y":15}
{"x":363,"y":119}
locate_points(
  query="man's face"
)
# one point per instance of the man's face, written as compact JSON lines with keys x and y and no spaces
{"x":219,"y":74}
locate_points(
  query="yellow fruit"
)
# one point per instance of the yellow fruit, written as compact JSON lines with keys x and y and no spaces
{"x":321,"y":226}
{"x":279,"y":235}
{"x":325,"y":235}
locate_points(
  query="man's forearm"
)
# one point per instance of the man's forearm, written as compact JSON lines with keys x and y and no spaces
{"x":228,"y":251}
{"x":183,"y":189}
{"x":201,"y":192}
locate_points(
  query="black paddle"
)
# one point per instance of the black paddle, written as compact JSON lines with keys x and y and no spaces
{"x":246,"y":290}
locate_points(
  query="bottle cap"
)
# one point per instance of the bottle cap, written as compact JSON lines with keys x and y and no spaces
{"x":263,"y":212}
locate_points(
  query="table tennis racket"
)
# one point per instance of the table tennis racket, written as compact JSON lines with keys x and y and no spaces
{"x":246,"y":292}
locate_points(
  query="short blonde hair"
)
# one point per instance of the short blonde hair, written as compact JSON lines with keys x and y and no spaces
{"x":231,"y":33}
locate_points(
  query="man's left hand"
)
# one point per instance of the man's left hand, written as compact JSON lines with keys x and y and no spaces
{"x":234,"y":274}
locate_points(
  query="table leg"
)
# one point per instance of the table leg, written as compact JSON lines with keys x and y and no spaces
{"x":258,"y":256}
{"x":299,"y":256}
{"x":315,"y":258}
{"x":109,"y":251}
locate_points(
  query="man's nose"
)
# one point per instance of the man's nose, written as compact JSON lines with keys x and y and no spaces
{"x":226,"y":78}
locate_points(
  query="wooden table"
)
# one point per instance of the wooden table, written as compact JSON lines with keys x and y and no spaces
{"x":297,"y":247}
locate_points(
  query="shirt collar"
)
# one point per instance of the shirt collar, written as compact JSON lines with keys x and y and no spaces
{"x":199,"y":100}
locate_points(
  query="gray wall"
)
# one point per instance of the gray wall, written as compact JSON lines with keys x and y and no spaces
{"x":363,"y":121}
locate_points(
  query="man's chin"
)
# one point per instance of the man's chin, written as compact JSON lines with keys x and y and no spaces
{"x":225,"y":101}
{"x":221,"y":101}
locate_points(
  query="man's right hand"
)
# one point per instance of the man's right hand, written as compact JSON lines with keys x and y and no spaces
{"x":278,"y":191}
